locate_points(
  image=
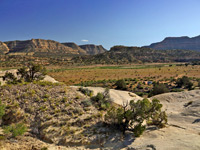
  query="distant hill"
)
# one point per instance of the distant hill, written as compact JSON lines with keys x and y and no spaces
{"x":76,"y":47}
{"x":125,"y":55}
{"x":93,"y":49}
{"x":47,"y":48}
{"x":184,"y":43}
{"x":39,"y":47}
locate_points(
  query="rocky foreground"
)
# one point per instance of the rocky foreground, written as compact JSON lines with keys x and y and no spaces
{"x":60,"y":117}
{"x":183,"y":130}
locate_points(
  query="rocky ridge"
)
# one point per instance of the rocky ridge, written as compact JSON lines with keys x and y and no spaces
{"x":76,"y":47}
{"x":184,"y":43}
{"x":93,"y":49}
{"x":43,"y":48}
{"x":38,"y":46}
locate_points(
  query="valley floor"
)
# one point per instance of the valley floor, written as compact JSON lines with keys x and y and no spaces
{"x":182,"y":108}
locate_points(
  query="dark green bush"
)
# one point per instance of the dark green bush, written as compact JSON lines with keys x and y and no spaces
{"x":139,"y":129}
{"x":121,"y":84}
{"x":140,"y":93}
{"x":98,"y":98}
{"x":184,"y":82}
{"x":159,"y":89}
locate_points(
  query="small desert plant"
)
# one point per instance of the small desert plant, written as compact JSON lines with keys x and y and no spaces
{"x":2,"y":109}
{"x":86,"y":91}
{"x":86,"y":103}
{"x":15,"y":129}
{"x":102,"y":100}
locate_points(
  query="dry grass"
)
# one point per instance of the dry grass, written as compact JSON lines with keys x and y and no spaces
{"x":76,"y":75}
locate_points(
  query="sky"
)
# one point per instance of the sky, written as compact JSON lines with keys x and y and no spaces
{"x":100,"y":22}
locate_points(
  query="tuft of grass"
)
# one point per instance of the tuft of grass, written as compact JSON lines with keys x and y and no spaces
{"x":15,"y":129}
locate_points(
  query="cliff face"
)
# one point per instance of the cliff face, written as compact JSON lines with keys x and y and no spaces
{"x":75,"y":47}
{"x":93,"y":49}
{"x":39,"y":45}
{"x":3,"y":48}
{"x":184,"y":43}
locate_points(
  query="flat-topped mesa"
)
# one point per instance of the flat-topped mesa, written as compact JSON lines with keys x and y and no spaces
{"x":39,"y":45}
{"x":182,"y":38}
{"x":183,"y":42}
{"x":92,"y":49}
{"x":75,"y":47}
{"x":3,"y":48}
{"x":122,"y":48}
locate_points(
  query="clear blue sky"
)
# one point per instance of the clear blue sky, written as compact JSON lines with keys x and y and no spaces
{"x":105,"y":22}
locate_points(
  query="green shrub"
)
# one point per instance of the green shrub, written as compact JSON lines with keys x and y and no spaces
{"x":184,"y":82}
{"x":86,"y":91}
{"x":86,"y":103}
{"x":32,"y":72}
{"x":102,"y":100}
{"x":132,"y":116}
{"x":121,"y":84}
{"x":15,"y":129}
{"x":10,"y":78}
{"x":98,"y":98}
{"x":139,"y":129}
{"x":140,"y":93}
{"x":2,"y":109}
{"x":158,"y":89}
